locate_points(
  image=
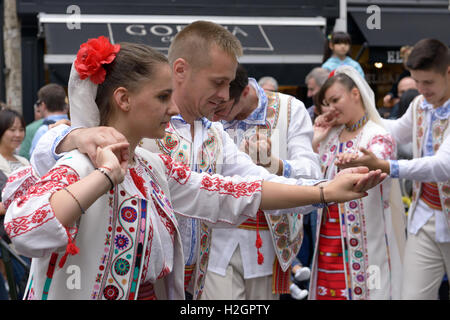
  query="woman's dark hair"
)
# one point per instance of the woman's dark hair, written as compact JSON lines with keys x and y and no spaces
{"x":317,"y":103}
{"x":429,"y":54}
{"x":134,"y":64}
{"x":342,"y":78}
{"x":7,"y":118}
{"x":335,"y":38}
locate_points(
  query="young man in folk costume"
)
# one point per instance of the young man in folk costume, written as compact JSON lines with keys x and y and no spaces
{"x":276,"y":130}
{"x":203,"y":57}
{"x":426,"y":125}
{"x":360,"y":243}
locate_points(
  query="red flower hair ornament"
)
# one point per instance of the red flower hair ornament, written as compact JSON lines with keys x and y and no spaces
{"x":91,"y":57}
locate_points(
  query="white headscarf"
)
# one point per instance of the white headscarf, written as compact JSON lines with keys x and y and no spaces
{"x":83,"y":108}
{"x":367,"y":95}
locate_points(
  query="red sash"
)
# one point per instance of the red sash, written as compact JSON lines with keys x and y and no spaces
{"x":430,"y":195}
{"x":146,"y":292}
{"x":252,"y":224}
{"x":188,"y":272}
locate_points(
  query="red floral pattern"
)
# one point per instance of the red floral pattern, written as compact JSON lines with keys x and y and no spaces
{"x":19,"y":174}
{"x":53,"y":181}
{"x":237,"y":190}
{"x":27,"y":223}
{"x":383,"y":146}
{"x":20,"y":191}
{"x":176,"y":170}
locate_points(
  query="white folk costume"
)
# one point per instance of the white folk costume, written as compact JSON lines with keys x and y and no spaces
{"x":360,"y":243}
{"x":129,"y":237}
{"x":129,"y":244}
{"x":211,"y":150}
{"x":428,"y":217}
{"x":285,"y":121}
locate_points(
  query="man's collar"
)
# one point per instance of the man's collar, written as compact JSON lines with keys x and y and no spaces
{"x":441,"y":112}
{"x":205,"y":122}
{"x":258,"y":116}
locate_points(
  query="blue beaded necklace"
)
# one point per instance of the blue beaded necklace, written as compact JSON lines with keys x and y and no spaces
{"x":361,"y":122}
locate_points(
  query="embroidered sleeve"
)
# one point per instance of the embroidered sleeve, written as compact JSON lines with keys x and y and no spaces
{"x":30,"y":221}
{"x":212,"y":198}
{"x":383,"y":146}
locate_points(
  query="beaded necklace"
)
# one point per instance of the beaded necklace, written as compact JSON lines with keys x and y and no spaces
{"x":358,"y":124}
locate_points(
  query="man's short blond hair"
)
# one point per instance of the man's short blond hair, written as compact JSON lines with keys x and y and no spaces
{"x":194,"y":42}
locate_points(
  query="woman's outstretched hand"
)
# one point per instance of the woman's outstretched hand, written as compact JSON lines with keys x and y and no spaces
{"x":349,"y":186}
{"x":366,"y":158}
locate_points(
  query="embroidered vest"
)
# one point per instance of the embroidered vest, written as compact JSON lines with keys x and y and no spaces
{"x":208,"y":158}
{"x":286,"y":230}
{"x":440,"y":130}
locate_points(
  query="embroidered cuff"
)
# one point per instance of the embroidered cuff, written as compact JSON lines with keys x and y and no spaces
{"x":287,"y":169}
{"x":58,"y":139}
{"x":394,"y":169}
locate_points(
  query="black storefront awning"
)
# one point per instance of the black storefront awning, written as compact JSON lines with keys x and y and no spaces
{"x":403,"y":26}
{"x":265,"y":40}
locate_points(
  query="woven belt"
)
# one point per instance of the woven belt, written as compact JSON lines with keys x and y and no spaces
{"x":251,"y":224}
{"x":430,"y":195}
{"x":188,"y":272}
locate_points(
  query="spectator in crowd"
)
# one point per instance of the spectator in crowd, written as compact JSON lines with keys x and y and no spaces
{"x":53,"y":104}
{"x":390,"y":99}
{"x":314,"y":80}
{"x":12,"y":132}
{"x":405,"y":84}
{"x":337,"y":50}
{"x":268,"y":83}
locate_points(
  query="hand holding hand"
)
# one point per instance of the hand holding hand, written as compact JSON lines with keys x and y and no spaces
{"x":86,"y":140}
{"x":114,"y":158}
{"x":345,"y":159}
{"x":367,"y":159}
{"x":259,"y":148}
{"x":349,"y":186}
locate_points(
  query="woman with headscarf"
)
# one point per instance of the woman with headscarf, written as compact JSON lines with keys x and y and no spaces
{"x":359,"y":247}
